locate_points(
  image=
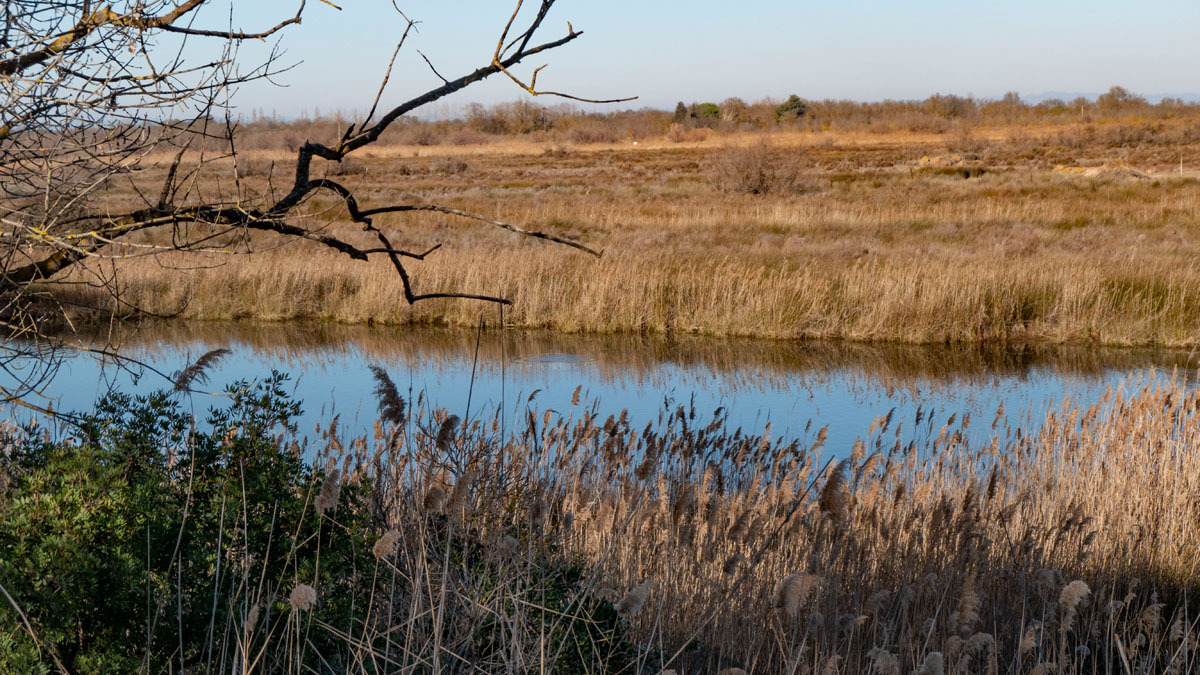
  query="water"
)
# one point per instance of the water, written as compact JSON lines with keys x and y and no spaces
{"x":797,"y":388}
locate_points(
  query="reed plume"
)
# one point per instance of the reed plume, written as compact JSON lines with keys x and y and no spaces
{"x":1072,"y":594}
{"x":506,"y":546}
{"x":386,"y":545}
{"x":934,"y":664}
{"x":434,"y":499}
{"x":833,"y":495}
{"x":460,"y":498}
{"x":330,"y":489}
{"x":391,"y":405}
{"x":197,"y":372}
{"x":793,"y":591}
{"x":446,"y":433}
{"x":633,"y":601}
{"x":302,"y":597}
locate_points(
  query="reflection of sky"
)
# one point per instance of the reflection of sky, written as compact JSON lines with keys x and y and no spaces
{"x":846,"y":397}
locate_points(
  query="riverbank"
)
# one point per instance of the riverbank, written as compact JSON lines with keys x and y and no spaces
{"x":1072,"y":235}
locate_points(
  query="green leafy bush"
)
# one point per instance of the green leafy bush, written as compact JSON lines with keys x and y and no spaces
{"x":792,"y":109}
{"x":143,"y":541}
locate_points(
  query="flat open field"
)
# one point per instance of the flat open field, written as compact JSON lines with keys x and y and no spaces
{"x":1058,"y":233}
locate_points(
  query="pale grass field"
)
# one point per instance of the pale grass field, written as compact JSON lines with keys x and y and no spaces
{"x":872,"y":246}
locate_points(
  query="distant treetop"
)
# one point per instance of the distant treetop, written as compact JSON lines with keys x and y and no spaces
{"x":791,"y":109}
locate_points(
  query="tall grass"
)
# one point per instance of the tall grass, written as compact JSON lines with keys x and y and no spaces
{"x":583,"y":544}
{"x":876,"y":247}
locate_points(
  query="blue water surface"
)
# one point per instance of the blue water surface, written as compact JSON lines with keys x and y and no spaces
{"x":796,"y":388}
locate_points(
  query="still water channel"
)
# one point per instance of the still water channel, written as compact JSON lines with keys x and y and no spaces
{"x":796,"y":387}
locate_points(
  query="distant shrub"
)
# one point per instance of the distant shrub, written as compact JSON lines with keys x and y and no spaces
{"x":466,"y":137}
{"x":681,"y":113}
{"x":757,"y":169}
{"x":449,"y":165}
{"x":418,"y":134}
{"x":709,"y":110}
{"x":1117,"y":98}
{"x":791,"y":109}
{"x":734,"y":110}
{"x":349,"y":166}
{"x":584,"y":135}
{"x":920,"y":122}
{"x":680,"y":134}
{"x":949,"y":105}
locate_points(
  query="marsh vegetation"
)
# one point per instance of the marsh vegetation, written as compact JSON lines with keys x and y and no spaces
{"x":581,"y":543}
{"x":1031,"y":225}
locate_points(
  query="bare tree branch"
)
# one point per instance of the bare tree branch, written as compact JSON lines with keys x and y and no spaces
{"x":90,"y":99}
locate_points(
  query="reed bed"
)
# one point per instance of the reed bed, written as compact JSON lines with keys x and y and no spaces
{"x":568,"y":541}
{"x":1069,"y":551}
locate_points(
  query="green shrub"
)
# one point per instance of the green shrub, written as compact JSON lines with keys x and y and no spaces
{"x":143,"y":544}
{"x":791,"y":109}
{"x":144,"y":541}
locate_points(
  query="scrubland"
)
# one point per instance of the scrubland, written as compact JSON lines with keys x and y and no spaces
{"x":1034,"y":225}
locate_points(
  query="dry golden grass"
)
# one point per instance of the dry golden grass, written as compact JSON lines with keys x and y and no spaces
{"x":876,"y":247}
{"x":1072,"y":550}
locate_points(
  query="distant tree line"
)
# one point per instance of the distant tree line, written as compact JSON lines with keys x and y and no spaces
{"x":569,"y":123}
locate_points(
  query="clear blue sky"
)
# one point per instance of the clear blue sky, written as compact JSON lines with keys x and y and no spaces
{"x":710,"y":50}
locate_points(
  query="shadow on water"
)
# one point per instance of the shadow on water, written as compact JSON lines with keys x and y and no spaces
{"x":797,"y":387}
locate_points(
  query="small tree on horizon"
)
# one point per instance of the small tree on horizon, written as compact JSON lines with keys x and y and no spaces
{"x":708,"y":110}
{"x":792,"y":109}
{"x":1119,"y":97}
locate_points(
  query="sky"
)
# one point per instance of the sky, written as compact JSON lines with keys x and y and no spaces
{"x":708,"y":50}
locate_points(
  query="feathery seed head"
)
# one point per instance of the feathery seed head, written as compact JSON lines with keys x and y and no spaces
{"x":391,"y":405}
{"x":934,"y":664}
{"x":446,"y":432}
{"x":793,"y":591}
{"x":330,"y":489}
{"x":302,"y":598}
{"x":386,"y":546}
{"x":633,"y":601}
{"x":434,"y":500}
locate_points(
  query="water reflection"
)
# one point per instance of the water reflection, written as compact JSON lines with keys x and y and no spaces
{"x":793,"y":386}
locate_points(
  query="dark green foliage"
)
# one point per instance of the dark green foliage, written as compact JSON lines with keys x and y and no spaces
{"x":144,"y":543}
{"x":582,"y":632}
{"x":791,"y":109}
{"x":709,"y":110}
{"x":681,"y":113}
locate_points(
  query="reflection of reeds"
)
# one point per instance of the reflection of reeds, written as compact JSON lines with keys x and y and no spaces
{"x":639,"y":358}
{"x":950,"y":557}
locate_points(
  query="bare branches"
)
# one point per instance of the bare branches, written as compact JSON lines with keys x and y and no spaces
{"x":386,"y":76}
{"x":51,"y":46}
{"x":503,"y":65}
{"x":90,"y":101}
{"x":475,"y":216}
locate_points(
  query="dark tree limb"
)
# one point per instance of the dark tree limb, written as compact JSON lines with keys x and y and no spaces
{"x":102,"y":230}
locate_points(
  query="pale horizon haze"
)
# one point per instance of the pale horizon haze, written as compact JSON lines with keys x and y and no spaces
{"x":706,"y":50}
